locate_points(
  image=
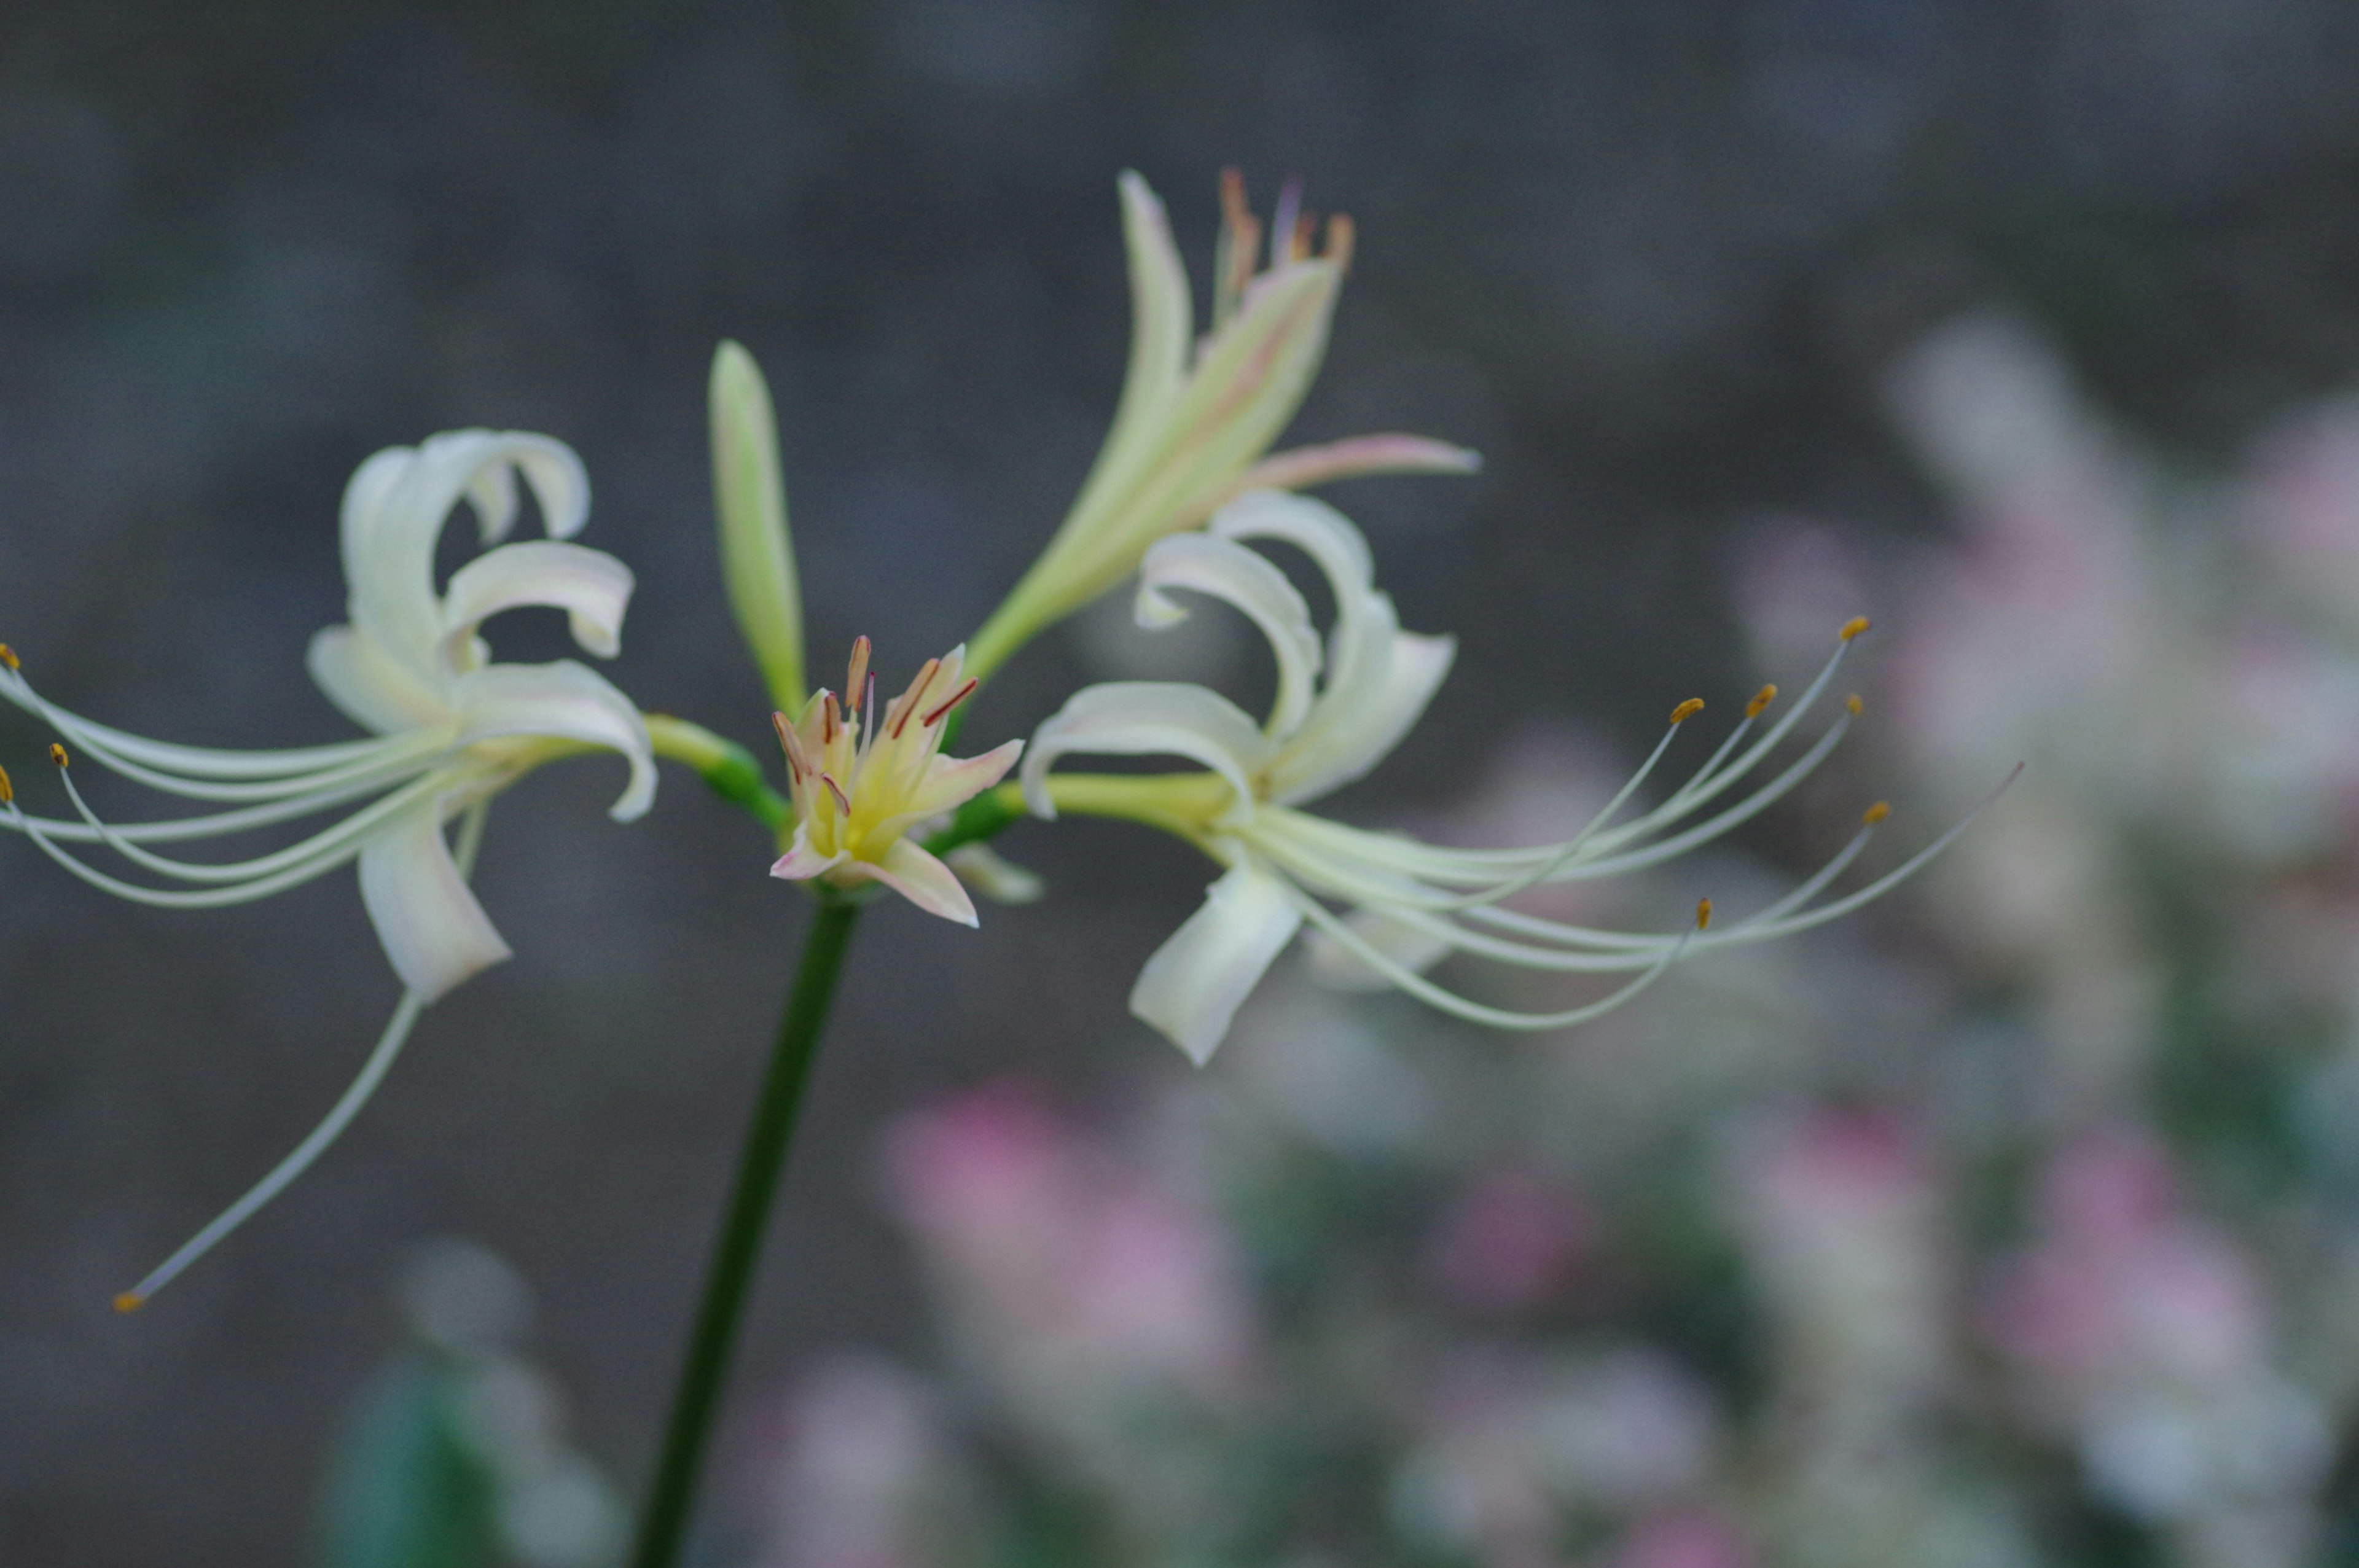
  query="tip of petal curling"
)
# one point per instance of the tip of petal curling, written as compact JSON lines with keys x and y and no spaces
{"x":1875,"y":813}
{"x":1687,"y":710}
{"x":130,"y":1300}
{"x":1851,"y":628}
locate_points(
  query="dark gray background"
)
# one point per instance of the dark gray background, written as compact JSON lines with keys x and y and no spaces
{"x":1648,"y":257}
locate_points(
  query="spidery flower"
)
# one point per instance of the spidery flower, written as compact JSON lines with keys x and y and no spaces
{"x":452,"y":729}
{"x":1338,"y":710}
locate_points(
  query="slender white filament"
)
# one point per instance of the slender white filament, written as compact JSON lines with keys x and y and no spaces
{"x":339,"y":1116}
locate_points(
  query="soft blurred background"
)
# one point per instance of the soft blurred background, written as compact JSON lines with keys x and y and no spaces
{"x":2015,"y":1221}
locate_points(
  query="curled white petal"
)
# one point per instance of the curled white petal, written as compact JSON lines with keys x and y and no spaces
{"x":1343,"y":744}
{"x":434,"y":930}
{"x":1192,"y":987}
{"x":592,"y":587}
{"x":370,"y":687}
{"x":396,"y":505}
{"x":563,"y":700}
{"x":1379,"y":678}
{"x":1145,"y":718}
{"x":1237,"y":577}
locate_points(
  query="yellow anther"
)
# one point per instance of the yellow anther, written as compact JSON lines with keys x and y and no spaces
{"x":7,"y":790}
{"x":8,"y":656}
{"x":1851,"y":628}
{"x":1853,"y":706}
{"x":1876,"y":813}
{"x":56,"y":753}
{"x":1761,"y":699}
{"x":130,"y":1300}
{"x":1687,"y":710}
{"x":1703,"y":914}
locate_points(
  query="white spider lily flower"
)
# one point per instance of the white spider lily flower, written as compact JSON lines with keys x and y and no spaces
{"x":1337,"y":711}
{"x":1196,"y":416}
{"x":452,"y":729}
{"x":862,"y":780}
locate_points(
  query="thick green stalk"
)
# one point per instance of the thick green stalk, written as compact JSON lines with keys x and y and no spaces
{"x":697,"y":1400}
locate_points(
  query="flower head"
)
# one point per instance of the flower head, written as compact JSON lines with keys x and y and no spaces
{"x":1196,"y":416}
{"x":1339,"y":709}
{"x":452,"y":729}
{"x":861,"y":779}
{"x":452,"y":726}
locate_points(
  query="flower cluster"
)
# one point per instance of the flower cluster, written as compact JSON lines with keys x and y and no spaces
{"x":1184,"y":488}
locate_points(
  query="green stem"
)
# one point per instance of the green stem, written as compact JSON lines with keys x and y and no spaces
{"x":697,"y":1400}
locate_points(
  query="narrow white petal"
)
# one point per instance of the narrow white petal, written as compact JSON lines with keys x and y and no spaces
{"x":1320,"y":532}
{"x":1379,"y":678}
{"x":1161,"y":321}
{"x":1193,"y":984}
{"x":949,"y":783}
{"x":567,"y":701}
{"x":922,"y":879}
{"x":802,"y":863}
{"x":1146,"y":719}
{"x":995,"y":876}
{"x":1302,"y":467}
{"x":372,"y":689}
{"x":396,"y":505}
{"x":1344,"y":742}
{"x":434,"y":930}
{"x":1236,"y":575}
{"x":592,"y":587}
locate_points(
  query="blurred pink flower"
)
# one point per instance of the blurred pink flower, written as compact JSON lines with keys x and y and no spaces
{"x":2121,"y":1284}
{"x":1077,"y":1275}
{"x":2143,"y":1333}
{"x":2028,"y":643}
{"x":1680,"y":1540}
{"x":1510,"y":1241}
{"x":857,"y":1478}
{"x":1513,"y":1442}
{"x":2301,"y":505}
{"x":1840,"y":1214}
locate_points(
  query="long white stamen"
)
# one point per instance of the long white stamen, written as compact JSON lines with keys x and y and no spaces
{"x":1706,"y":786}
{"x":1574,"y":845}
{"x":373,"y":1071}
{"x":217,"y":823}
{"x":195,"y":772}
{"x":199,"y":760}
{"x":1885,"y":884}
{"x":1634,"y":948}
{"x":229,"y":871}
{"x":332,"y":849}
{"x":339,"y":1116}
{"x":1425,"y":990}
{"x":1704,"y":832}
